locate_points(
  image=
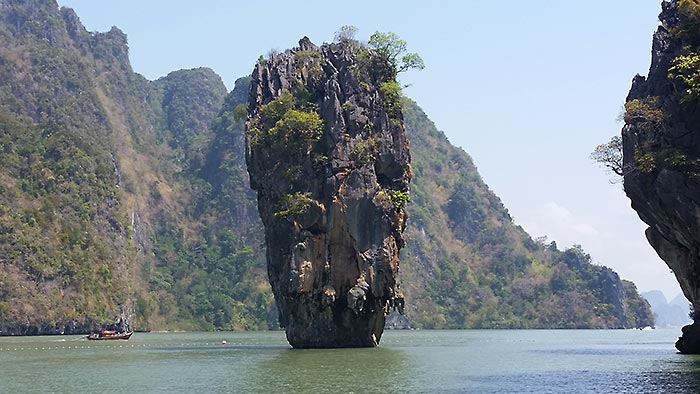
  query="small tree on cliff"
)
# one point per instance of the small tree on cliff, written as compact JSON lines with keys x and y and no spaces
{"x":346,"y":33}
{"x":389,"y":46}
{"x":609,"y":155}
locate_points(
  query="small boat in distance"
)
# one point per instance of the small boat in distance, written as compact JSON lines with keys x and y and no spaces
{"x":118,"y":330}
{"x":110,"y":334}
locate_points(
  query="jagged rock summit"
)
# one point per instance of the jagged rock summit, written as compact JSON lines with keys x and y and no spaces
{"x":661,"y":145}
{"x":328,"y":156}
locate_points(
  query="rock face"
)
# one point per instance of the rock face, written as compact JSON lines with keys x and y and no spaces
{"x":328,"y":156}
{"x":661,"y":145}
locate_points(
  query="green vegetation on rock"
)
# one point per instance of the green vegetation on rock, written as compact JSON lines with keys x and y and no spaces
{"x":688,"y":26}
{"x":393,"y":50}
{"x":660,"y":143}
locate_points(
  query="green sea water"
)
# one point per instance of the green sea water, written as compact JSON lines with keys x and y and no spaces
{"x":468,"y":361}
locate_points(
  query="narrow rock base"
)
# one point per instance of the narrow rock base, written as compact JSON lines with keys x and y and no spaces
{"x":689,"y":342}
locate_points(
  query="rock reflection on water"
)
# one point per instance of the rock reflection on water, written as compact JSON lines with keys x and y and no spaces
{"x":439,"y":367}
{"x":363,"y":370}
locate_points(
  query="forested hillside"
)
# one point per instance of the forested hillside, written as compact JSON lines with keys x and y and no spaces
{"x":106,"y":197}
{"x":469,"y":265}
{"x":120,"y":193}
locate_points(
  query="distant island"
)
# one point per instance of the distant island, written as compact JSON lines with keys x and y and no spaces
{"x":674,"y":313}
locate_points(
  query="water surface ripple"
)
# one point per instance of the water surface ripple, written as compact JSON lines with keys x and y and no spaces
{"x":469,"y":361}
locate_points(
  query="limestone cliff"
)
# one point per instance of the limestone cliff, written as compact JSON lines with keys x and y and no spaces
{"x":328,"y":156}
{"x":98,"y":178}
{"x":661,"y":144}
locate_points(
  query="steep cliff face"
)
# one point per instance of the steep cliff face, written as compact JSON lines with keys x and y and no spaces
{"x":66,"y":253}
{"x":661,"y":144}
{"x":327,"y":154}
{"x":99,"y":184}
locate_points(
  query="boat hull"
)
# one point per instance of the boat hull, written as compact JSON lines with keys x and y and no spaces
{"x":104,"y":337}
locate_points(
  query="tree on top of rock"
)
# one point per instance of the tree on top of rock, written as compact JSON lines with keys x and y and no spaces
{"x":390,"y":46}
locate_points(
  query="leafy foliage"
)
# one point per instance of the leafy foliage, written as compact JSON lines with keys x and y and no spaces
{"x":646,"y":110}
{"x":688,"y":28}
{"x":108,"y":200}
{"x":283,"y":126}
{"x":686,"y":68}
{"x":393,"y":97}
{"x":364,"y":151}
{"x":639,"y":311}
{"x":609,"y":155}
{"x":644,"y":160}
{"x":240,"y":113}
{"x":643,"y":112}
{"x":188,"y":97}
{"x":393,"y":49}
{"x":294,"y":204}
{"x":273,"y":111}
{"x":399,"y":198}
{"x":297,"y":125}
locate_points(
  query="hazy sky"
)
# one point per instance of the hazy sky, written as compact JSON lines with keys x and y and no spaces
{"x":527,"y":88}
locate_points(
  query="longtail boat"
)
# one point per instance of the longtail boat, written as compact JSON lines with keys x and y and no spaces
{"x":110,"y":334}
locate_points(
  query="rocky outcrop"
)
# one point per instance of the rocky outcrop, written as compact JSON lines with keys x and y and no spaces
{"x":328,"y":156}
{"x":661,"y":141}
{"x":70,"y":327}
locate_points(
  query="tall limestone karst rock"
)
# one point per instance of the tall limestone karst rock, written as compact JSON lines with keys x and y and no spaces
{"x":328,"y":156}
{"x":661,"y":145}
